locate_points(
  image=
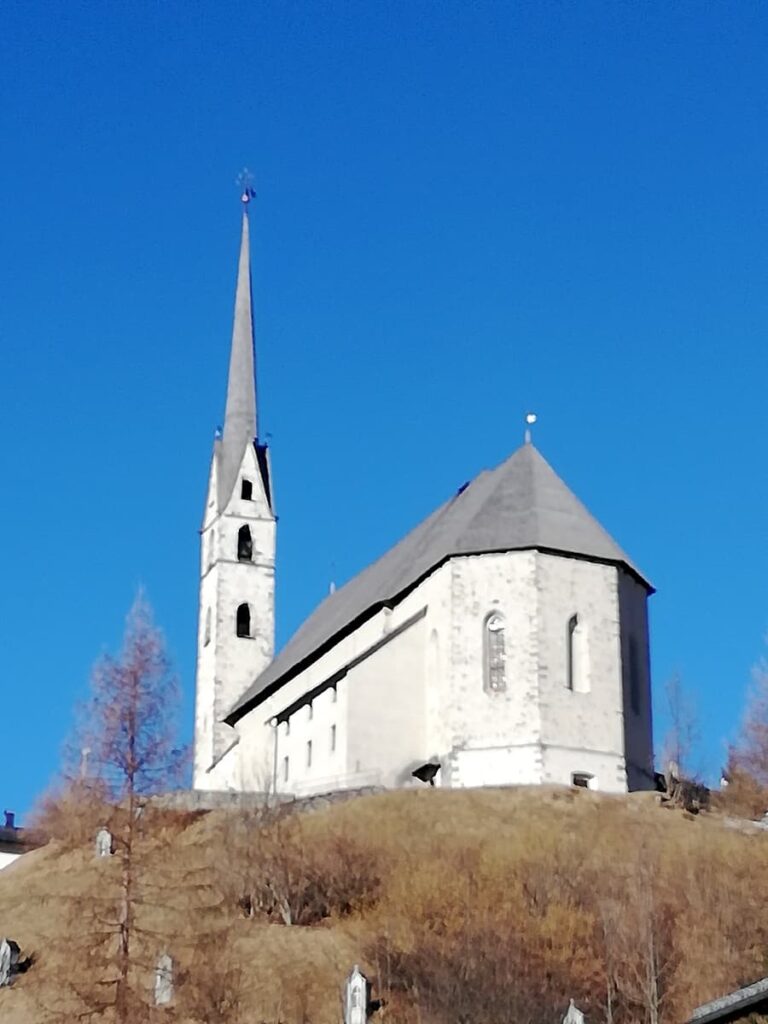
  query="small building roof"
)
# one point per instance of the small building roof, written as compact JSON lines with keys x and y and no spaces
{"x":521,"y":504}
{"x":733,"y":1005}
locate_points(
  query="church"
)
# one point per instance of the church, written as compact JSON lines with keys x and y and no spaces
{"x":503,"y":641}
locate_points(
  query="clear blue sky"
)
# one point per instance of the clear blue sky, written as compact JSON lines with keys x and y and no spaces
{"x":465,"y":210}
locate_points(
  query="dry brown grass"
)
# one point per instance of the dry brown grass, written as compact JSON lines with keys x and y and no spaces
{"x":488,"y":906}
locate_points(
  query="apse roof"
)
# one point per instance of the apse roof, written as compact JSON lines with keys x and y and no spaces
{"x":521,"y":504}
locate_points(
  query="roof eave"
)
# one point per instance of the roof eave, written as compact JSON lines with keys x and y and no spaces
{"x":240,"y":710}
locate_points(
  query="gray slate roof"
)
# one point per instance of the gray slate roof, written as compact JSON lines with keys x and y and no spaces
{"x":521,"y":504}
{"x":240,"y":427}
{"x":734,"y":1004}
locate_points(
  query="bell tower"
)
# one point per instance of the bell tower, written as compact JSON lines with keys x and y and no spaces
{"x":236,"y":623}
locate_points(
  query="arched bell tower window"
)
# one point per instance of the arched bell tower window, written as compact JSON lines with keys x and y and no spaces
{"x":243,"y":622}
{"x":246,"y":490}
{"x":244,"y":544}
{"x":495,"y":670}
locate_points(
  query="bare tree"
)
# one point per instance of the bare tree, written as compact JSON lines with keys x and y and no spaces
{"x":751,"y":749}
{"x":683,"y":733}
{"x":127,"y":728}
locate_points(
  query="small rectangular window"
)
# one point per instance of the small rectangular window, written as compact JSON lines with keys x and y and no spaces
{"x":333,"y":738}
{"x":309,"y":753}
{"x":246,"y":490}
{"x":285,"y":769}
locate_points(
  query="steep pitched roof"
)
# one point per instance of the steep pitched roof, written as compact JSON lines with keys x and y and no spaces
{"x":732,"y":1006}
{"x":521,"y":504}
{"x":240,"y":428}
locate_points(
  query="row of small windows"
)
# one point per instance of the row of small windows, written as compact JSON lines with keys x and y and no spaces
{"x":287,"y":760}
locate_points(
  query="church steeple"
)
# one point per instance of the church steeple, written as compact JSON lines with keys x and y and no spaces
{"x":236,"y":624}
{"x":240,"y":423}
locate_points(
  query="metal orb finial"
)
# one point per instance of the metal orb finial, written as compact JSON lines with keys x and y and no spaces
{"x":245,"y":184}
{"x":530,"y":419}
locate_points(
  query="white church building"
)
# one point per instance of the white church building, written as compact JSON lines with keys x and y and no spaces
{"x":505,"y":638}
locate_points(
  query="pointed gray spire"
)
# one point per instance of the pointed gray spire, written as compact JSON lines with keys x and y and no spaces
{"x":240,"y":427}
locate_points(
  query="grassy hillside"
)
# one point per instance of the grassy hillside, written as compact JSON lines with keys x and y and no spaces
{"x":463,"y":906}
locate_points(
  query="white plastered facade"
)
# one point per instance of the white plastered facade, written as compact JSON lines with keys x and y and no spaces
{"x":227,"y":663}
{"x":410,"y":685}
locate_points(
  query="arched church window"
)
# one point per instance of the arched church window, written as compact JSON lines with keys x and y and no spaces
{"x":243,"y":624}
{"x":244,"y":544}
{"x":495,"y":654}
{"x":577,"y":674}
{"x":246,"y":490}
{"x":207,"y":633}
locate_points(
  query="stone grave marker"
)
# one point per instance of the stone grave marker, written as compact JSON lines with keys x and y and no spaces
{"x":103,"y":843}
{"x":356,"y":997}
{"x":164,"y":980}
{"x":573,"y":1014}
{"x":9,"y":958}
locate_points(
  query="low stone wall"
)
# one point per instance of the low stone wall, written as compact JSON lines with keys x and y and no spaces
{"x":205,"y":800}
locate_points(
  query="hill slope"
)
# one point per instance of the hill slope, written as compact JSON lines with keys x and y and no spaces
{"x":487,"y":905}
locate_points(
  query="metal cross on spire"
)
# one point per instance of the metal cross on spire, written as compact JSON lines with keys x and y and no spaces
{"x":530,"y":419}
{"x":245,"y":183}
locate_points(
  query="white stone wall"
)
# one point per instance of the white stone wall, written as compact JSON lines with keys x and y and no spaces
{"x":413,"y":686}
{"x":504,"y":726}
{"x":228,"y":664}
{"x":580,"y":731}
{"x":386,"y":730}
{"x":537,"y":729}
{"x":7,"y":858}
{"x":379,"y":710}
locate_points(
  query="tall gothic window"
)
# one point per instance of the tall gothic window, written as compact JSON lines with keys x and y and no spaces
{"x":572,"y":655}
{"x":577,"y":668}
{"x":244,"y":544}
{"x":243,"y":622}
{"x":495,"y":654}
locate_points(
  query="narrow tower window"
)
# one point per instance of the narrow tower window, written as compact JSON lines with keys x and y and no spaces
{"x":243,"y":620}
{"x":207,"y":634}
{"x":244,"y":544}
{"x":309,"y":753}
{"x":333,"y":738}
{"x":495,"y":654}
{"x":246,"y":490}
{"x":286,"y":769}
